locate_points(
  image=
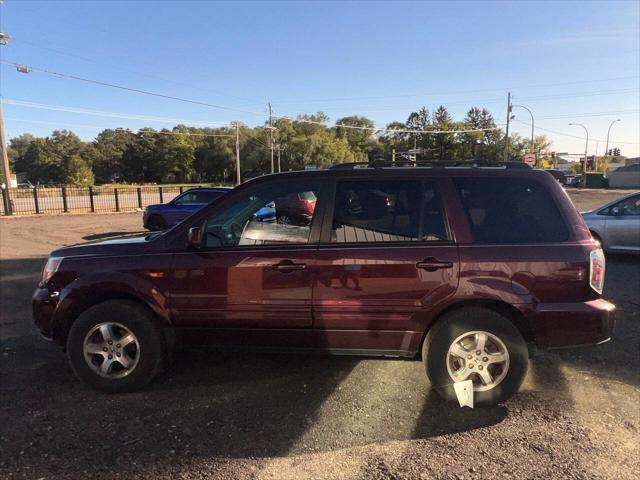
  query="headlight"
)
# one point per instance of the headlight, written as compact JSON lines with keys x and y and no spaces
{"x":53,"y":263}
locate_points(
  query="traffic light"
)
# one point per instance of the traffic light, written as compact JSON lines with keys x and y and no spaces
{"x":553,"y":155}
{"x":591,"y":162}
{"x":616,"y":152}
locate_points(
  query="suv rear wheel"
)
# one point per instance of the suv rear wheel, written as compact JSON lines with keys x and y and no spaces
{"x":115,"y":346}
{"x":480,"y":345}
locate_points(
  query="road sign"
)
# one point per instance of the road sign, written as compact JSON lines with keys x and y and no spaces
{"x":530,"y":159}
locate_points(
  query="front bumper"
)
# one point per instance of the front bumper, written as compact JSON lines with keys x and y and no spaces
{"x":44,"y":303}
{"x":558,"y":325}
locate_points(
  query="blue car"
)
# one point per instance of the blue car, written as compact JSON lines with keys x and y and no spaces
{"x":165,"y":215}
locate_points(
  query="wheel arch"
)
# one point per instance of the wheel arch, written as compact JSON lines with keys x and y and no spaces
{"x":67,"y":316}
{"x":597,"y":236}
{"x":508,"y":311}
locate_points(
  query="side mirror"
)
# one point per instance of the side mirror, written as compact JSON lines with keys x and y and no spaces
{"x":194,"y":236}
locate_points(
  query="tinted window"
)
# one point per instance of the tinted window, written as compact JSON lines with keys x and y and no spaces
{"x":510,"y":211}
{"x":630,"y":207}
{"x":197,"y":197}
{"x":276,"y":214}
{"x":386,"y":211}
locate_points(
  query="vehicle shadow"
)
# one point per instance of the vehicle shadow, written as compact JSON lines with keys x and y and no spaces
{"x":210,"y":404}
{"x":18,"y":279}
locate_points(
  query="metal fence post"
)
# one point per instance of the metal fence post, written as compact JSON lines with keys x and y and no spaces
{"x":35,"y":199}
{"x":6,"y":201}
{"x":139,"y":197}
{"x":65,"y":204}
{"x":93,"y":207}
{"x":161,"y":197}
{"x":182,"y":190}
{"x":115,"y":192}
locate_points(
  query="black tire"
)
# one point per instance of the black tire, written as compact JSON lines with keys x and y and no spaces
{"x":454,"y":324}
{"x":156,"y":223}
{"x":139,"y":320}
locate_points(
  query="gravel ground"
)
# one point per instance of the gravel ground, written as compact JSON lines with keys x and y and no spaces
{"x":213,"y":415}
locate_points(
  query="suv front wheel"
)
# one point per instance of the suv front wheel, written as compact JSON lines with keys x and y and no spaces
{"x":115,"y":346}
{"x":480,"y":345}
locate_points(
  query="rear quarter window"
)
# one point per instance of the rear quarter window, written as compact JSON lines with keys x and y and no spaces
{"x":501,"y":210}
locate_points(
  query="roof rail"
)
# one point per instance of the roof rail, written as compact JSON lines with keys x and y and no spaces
{"x":472,"y":163}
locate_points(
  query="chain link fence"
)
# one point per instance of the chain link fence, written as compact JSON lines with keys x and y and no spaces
{"x":27,"y":201}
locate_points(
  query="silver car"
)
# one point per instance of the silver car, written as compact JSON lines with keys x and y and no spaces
{"x":616,"y":225}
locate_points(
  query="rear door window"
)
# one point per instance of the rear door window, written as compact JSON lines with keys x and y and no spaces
{"x":198,"y":197}
{"x":386,"y":211}
{"x":510,"y":211}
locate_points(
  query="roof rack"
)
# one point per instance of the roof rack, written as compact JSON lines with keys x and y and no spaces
{"x":472,"y":163}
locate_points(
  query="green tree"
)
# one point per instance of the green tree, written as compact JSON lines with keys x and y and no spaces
{"x":484,"y":145}
{"x":78,"y":172}
{"x":40,"y":164}
{"x":360,"y":140}
{"x":109,"y":147}
{"x":443,"y":143}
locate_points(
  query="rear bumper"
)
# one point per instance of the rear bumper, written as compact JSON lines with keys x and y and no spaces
{"x":573,"y":324}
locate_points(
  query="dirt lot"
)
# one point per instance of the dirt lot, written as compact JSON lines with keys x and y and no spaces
{"x":214,"y":415}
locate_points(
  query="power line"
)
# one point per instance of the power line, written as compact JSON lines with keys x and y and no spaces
{"x":148,"y":75}
{"x":102,"y":113}
{"x":573,"y":136}
{"x":591,"y":114}
{"x":501,"y":89}
{"x":128,"y":89}
{"x":196,"y":102}
{"x":539,"y":98}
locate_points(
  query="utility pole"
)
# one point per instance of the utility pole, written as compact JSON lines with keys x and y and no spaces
{"x":271,"y":136}
{"x":238,"y":178}
{"x":5,"y":165}
{"x":4,"y":40}
{"x":606,"y":149}
{"x":279,"y":150}
{"x":506,"y":138}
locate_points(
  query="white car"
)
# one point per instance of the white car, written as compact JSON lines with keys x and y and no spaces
{"x":616,"y":225}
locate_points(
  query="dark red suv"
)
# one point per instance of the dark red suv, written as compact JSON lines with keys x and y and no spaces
{"x":463,"y":267}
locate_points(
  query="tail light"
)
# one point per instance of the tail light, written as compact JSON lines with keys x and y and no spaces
{"x":596,"y":269}
{"x":309,"y":206}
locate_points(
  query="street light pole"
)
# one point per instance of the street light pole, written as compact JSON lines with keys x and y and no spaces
{"x":586,"y":147}
{"x":606,"y":149}
{"x":533,"y":150}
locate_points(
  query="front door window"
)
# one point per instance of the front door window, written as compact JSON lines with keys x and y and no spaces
{"x":276,"y":215}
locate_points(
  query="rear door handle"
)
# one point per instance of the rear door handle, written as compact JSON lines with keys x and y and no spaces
{"x":432,"y":264}
{"x":288,"y":266}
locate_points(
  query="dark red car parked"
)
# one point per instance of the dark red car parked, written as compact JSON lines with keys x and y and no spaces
{"x":462,"y":267}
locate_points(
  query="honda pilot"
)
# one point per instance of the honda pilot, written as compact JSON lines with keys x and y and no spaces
{"x":465,"y":268}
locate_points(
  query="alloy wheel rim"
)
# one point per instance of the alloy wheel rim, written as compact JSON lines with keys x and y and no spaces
{"x":111,"y":350}
{"x":478,"y":356}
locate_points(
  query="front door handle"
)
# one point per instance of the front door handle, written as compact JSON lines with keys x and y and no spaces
{"x":432,"y":264}
{"x":288,"y":266}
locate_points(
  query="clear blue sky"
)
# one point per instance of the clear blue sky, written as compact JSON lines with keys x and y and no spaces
{"x":377,"y":59}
